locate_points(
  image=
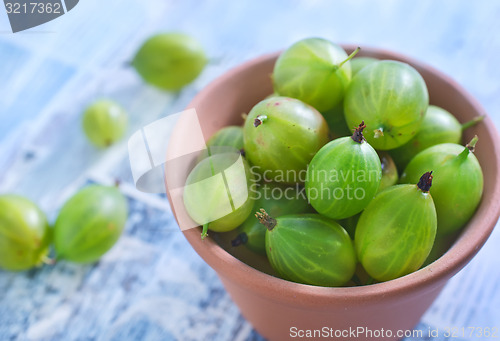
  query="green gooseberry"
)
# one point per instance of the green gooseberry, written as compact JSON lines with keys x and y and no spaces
{"x":392,"y":98}
{"x":228,"y":139}
{"x":396,"y":231}
{"x":358,"y":63}
{"x":231,"y":136}
{"x":344,"y":176}
{"x":90,"y":223}
{"x":389,"y":171}
{"x":315,"y":71}
{"x":458,"y":184}
{"x":104,"y":122}
{"x":309,"y":249}
{"x":277,"y":201}
{"x":24,"y":233}
{"x":217,"y":195}
{"x":170,"y":60}
{"x":438,"y":126}
{"x":281,"y":135}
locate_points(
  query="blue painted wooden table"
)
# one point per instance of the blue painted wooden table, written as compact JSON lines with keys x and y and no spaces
{"x":152,"y":285}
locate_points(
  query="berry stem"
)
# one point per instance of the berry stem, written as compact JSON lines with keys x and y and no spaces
{"x":354,"y":53}
{"x":259,"y":120}
{"x":240,"y":239}
{"x":204,"y":232}
{"x":357,"y":136}
{"x":378,"y":133}
{"x":472,"y":122}
{"x":469,"y":148}
{"x":425,"y":182}
{"x":265,"y":219}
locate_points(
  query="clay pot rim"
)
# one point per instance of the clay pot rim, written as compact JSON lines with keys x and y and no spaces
{"x":468,"y":244}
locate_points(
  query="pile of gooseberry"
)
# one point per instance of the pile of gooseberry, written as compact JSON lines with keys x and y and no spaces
{"x":87,"y":226}
{"x":352,"y":177}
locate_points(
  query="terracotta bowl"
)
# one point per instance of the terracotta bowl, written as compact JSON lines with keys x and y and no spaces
{"x":275,"y":306}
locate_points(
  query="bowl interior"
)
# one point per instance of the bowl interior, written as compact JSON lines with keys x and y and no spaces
{"x":224,"y":101}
